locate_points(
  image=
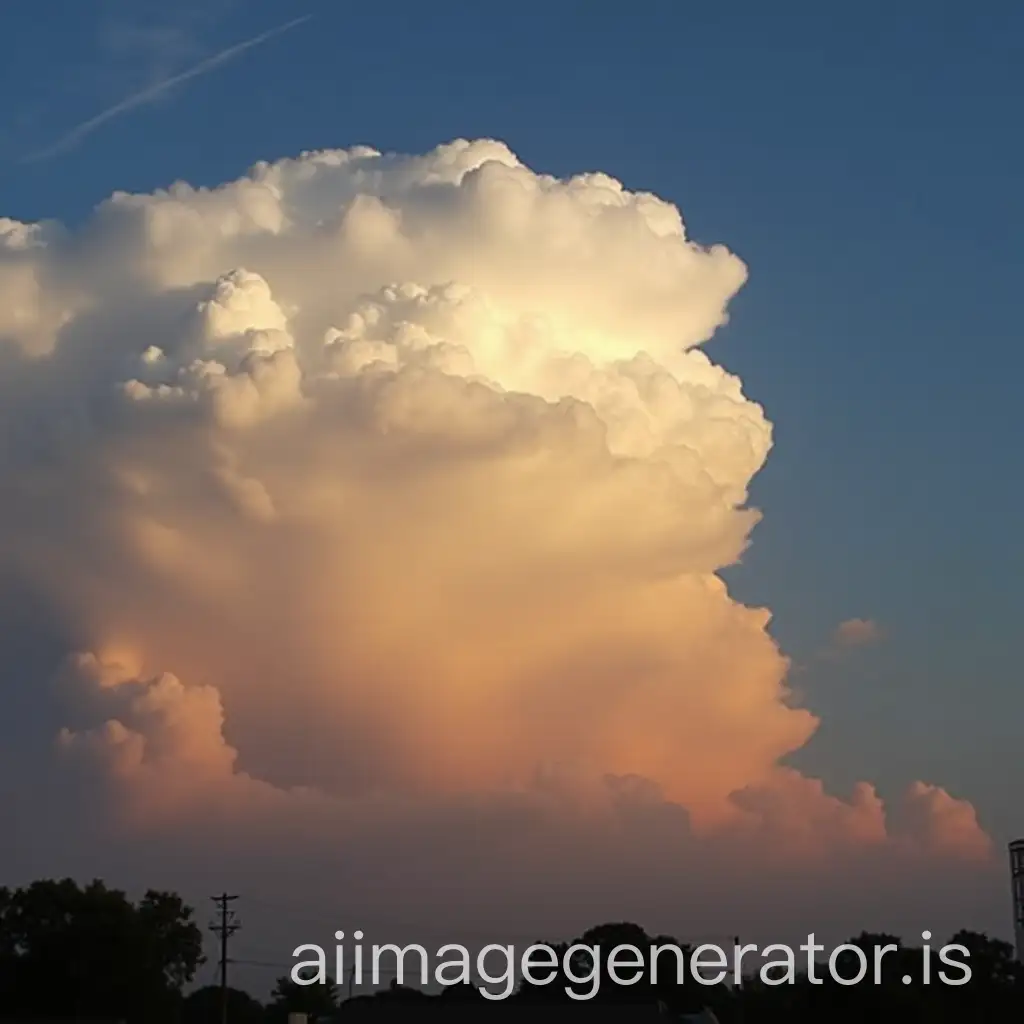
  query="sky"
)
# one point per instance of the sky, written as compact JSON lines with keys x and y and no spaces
{"x":433,"y":580}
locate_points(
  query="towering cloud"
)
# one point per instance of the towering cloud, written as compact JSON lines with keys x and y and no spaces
{"x":369,"y":491}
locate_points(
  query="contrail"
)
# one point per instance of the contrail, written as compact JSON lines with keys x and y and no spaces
{"x":150,"y":93}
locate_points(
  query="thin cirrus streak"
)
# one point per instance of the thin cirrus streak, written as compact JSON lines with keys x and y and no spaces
{"x":143,"y":96}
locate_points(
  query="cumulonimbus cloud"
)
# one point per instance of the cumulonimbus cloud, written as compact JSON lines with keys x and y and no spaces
{"x":368,"y":483}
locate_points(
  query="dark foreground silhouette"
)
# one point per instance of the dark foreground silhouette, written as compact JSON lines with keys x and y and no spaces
{"x":69,"y":953}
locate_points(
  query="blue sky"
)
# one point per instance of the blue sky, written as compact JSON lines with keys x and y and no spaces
{"x":862,"y":161}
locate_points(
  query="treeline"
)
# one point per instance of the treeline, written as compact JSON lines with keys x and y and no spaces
{"x":89,"y":953}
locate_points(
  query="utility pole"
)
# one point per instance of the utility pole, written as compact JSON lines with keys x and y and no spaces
{"x":225,"y":927}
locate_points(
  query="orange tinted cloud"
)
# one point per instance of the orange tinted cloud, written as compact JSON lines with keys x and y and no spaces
{"x":407,"y":480}
{"x":857,"y":633}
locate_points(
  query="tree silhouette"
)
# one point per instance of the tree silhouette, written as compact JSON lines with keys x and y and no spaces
{"x":203,"y":1006}
{"x":992,"y":961}
{"x":677,"y":996}
{"x":315,"y":1000}
{"x":91,"y":952}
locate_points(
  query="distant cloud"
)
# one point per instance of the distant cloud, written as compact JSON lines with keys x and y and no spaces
{"x":857,"y":633}
{"x":153,"y":92}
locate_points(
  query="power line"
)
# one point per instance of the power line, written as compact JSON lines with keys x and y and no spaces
{"x":224,"y":928}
